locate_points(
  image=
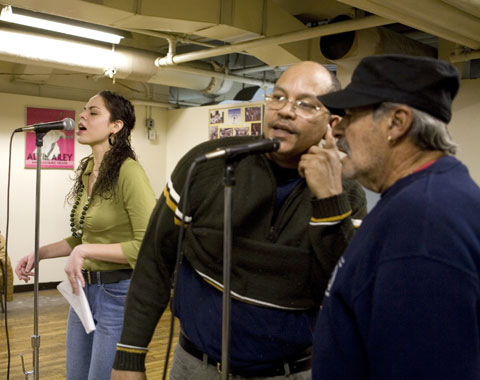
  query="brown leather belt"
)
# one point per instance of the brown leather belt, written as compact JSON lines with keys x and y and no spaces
{"x":107,"y":277}
{"x":302,"y":362}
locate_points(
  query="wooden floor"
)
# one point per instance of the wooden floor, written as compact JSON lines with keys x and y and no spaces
{"x":53,"y":311}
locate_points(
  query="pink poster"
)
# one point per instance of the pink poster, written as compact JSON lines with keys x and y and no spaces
{"x":58,"y":146}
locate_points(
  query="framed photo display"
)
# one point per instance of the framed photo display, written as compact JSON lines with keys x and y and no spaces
{"x":236,"y":120}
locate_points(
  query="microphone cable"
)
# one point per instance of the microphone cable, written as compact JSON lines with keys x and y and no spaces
{"x":184,"y":198}
{"x":5,"y":277}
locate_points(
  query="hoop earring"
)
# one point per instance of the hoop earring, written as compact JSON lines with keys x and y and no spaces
{"x":112,"y":139}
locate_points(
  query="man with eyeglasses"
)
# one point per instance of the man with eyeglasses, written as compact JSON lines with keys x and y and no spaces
{"x":292,"y":218}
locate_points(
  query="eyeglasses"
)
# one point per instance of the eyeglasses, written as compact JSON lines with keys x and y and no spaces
{"x":301,"y":107}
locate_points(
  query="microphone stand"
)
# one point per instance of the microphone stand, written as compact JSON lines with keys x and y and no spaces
{"x":231,"y":154}
{"x":228,"y":181}
{"x":36,"y":336}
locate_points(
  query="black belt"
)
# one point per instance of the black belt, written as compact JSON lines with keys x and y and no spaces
{"x":107,"y":277}
{"x":302,"y":362}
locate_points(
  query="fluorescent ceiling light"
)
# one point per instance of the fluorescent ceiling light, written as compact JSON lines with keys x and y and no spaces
{"x":10,"y":15}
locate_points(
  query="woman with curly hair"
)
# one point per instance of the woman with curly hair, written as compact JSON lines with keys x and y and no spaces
{"x":112,"y":201}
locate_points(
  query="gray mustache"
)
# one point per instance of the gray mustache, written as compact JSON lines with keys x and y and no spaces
{"x":343,"y":146}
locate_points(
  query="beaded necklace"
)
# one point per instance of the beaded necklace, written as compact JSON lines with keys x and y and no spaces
{"x":78,"y":232}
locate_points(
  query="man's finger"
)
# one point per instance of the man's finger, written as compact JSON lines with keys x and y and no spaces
{"x":329,"y":140}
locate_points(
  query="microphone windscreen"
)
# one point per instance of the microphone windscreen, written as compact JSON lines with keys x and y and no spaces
{"x":69,"y":124}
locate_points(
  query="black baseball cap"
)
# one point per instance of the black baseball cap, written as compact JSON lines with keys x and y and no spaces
{"x":424,"y":83}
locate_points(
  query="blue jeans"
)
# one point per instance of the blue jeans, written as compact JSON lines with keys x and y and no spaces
{"x":188,"y":367}
{"x":90,"y":356}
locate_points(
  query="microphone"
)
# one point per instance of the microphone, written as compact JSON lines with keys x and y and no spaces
{"x":66,"y":124}
{"x":239,"y":151}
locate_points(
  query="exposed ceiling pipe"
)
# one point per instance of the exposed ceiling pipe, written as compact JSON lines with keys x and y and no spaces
{"x":139,"y":102}
{"x":215,"y":86}
{"x":91,"y":58}
{"x":464,"y":56}
{"x":255,"y":69}
{"x":304,"y":34}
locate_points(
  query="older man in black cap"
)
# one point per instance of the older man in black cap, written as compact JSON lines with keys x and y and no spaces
{"x":404,"y":300}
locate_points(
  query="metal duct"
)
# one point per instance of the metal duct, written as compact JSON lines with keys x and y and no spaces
{"x":124,"y":63}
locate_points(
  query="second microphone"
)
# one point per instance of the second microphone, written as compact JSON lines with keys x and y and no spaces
{"x":239,"y":151}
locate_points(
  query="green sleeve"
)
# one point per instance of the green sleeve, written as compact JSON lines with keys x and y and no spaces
{"x":73,"y":242}
{"x":139,"y":201}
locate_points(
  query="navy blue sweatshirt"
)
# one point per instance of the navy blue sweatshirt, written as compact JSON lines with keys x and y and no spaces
{"x":404,"y":300}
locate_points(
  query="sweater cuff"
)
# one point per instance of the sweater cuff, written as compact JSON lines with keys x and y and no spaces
{"x":73,"y":242}
{"x":330,"y":210}
{"x":130,"y":358}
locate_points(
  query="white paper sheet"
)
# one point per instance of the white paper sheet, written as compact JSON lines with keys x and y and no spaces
{"x":79,"y":303}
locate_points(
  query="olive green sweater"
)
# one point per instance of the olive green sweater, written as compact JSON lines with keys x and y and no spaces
{"x":122,"y":219}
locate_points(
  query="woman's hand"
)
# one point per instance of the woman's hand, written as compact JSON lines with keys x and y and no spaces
{"x":73,"y":268}
{"x":25,"y":266}
{"x":104,"y":252}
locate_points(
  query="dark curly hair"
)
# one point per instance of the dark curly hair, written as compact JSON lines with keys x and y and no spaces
{"x":106,"y":184}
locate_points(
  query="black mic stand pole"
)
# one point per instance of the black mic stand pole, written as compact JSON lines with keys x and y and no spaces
{"x":229,"y":181}
{"x":35,"y":336}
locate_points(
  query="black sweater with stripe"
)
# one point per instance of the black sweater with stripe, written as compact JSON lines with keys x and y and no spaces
{"x":285,"y":264}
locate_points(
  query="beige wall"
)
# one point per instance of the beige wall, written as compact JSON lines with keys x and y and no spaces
{"x":465,"y":125}
{"x":189,"y":127}
{"x":55,"y":183}
{"x":177,"y":132}
{"x":186,"y":128}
